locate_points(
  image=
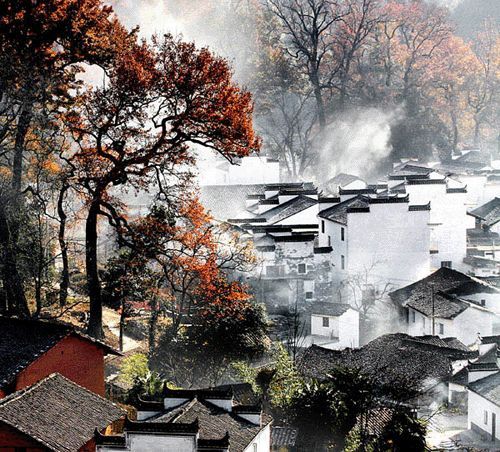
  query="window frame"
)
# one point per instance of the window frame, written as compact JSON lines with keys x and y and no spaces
{"x":326,"y":322}
{"x":300,"y":266}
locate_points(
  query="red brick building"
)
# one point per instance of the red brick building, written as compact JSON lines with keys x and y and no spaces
{"x":30,"y":350}
{"x":54,"y":414}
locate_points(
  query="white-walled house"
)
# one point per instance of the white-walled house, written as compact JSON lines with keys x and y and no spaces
{"x":448,"y":316}
{"x":192,"y":421}
{"x":451,"y":282}
{"x":334,"y":326}
{"x":483,"y":407}
{"x":448,"y":218}
{"x":385,"y":238}
{"x":475,"y":369}
{"x":488,"y":215}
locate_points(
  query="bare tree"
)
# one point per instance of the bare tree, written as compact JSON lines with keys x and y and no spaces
{"x":308,"y":27}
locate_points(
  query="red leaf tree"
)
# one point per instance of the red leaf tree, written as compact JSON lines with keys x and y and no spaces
{"x":160,"y":100}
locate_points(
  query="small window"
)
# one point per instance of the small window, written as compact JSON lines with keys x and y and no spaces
{"x":329,"y":241}
{"x":446,"y":264}
{"x":485,"y":417}
{"x":423,"y":321}
{"x":413,"y":317}
{"x":483,"y":302}
{"x":309,"y":295}
{"x":254,"y":447}
{"x":326,"y":322}
{"x":441,"y":328}
{"x":342,"y":262}
{"x":323,"y":226}
{"x":302,"y":268}
{"x":342,"y":234}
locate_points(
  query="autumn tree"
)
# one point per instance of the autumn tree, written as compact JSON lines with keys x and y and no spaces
{"x":41,"y":44}
{"x":212,"y":319}
{"x":482,"y":82}
{"x":160,"y":99}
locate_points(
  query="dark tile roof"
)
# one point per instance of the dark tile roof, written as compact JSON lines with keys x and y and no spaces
{"x":295,"y":238}
{"x":338,"y":212}
{"x":58,"y":413}
{"x":436,"y":341}
{"x":214,"y":422}
{"x":341,"y":180}
{"x":333,"y":309}
{"x":453,"y":342}
{"x":491,"y":340}
{"x":445,"y":280}
{"x":489,"y":212}
{"x":461,"y":377}
{"x":390,"y":359}
{"x":445,"y":306}
{"x":157,"y":426}
{"x":23,"y":341}
{"x":374,"y":421}
{"x":323,"y":250}
{"x":488,"y":387}
{"x":242,"y":392}
{"x":215,"y":199}
{"x":287,"y":209}
{"x":283,"y":437}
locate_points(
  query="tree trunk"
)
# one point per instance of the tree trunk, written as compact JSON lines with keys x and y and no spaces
{"x":477,"y":130}
{"x":94,"y":287}
{"x":22,"y":129}
{"x":12,"y":282}
{"x":319,"y":100}
{"x":122,"y":325}
{"x":153,"y":321}
{"x":64,"y":283}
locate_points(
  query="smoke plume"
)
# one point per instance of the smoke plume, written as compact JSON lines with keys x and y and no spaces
{"x":357,"y":142}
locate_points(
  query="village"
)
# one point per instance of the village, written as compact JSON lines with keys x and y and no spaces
{"x":388,"y":279}
{"x":249,"y":226}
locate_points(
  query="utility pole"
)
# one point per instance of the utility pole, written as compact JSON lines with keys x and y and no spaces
{"x":433,"y":318}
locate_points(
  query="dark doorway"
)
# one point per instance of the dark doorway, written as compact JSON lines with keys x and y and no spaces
{"x":493,"y":426}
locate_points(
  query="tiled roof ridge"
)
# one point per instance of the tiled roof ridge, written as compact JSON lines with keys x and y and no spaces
{"x":66,"y":327}
{"x":54,"y":375}
{"x":183,"y":409}
{"x":191,"y":427}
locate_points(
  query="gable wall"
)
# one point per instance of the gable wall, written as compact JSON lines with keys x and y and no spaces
{"x":74,"y":358}
{"x":10,"y":439}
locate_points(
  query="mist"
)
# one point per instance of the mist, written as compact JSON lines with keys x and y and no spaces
{"x":358,"y":142}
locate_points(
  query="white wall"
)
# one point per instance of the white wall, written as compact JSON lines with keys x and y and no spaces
{"x":262,"y":441}
{"x":349,"y":329}
{"x":423,"y":325}
{"x":492,"y":300}
{"x":448,"y":220}
{"x":464,"y":327}
{"x":391,"y":241}
{"x":141,"y":442}
{"x":307,"y":216}
{"x":317,"y":328}
{"x":471,"y":322}
{"x":476,"y":406}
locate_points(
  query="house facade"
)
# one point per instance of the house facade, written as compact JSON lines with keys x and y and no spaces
{"x":42,"y":348}
{"x":192,"y":421}
{"x":385,"y":239}
{"x":483,"y":407}
{"x":334,"y":326}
